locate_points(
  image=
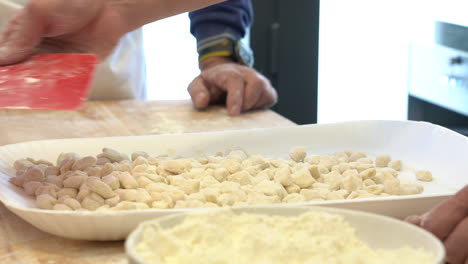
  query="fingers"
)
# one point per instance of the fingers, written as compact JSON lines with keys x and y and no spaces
{"x":64,"y":17}
{"x":443,"y":219}
{"x":254,"y":90}
{"x":449,"y":222}
{"x":33,"y":28}
{"x":456,"y":244}
{"x":199,"y":93}
{"x":268,"y":98}
{"x":235,"y":95}
{"x":258,"y":91}
{"x":22,"y":36}
{"x":246,"y":89}
{"x":414,"y":219}
{"x":227,"y":78}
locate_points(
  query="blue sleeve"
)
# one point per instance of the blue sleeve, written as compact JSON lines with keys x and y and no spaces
{"x":232,"y":18}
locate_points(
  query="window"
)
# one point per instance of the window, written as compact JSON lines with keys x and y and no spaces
{"x":363,"y":60}
{"x":171,"y":58}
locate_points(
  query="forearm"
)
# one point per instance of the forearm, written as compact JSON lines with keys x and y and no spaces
{"x":137,"y":13}
{"x":221,"y":31}
{"x":233,"y":17}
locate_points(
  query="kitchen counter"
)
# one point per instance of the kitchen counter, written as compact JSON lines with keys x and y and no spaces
{"x":22,"y":243}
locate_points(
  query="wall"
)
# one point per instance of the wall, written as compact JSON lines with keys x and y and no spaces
{"x":364,"y":50}
{"x":363,"y":53}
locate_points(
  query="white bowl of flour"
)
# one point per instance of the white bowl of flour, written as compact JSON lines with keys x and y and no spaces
{"x":274,"y":235}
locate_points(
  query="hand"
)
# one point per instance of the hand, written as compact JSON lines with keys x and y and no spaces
{"x":58,"y":26}
{"x":82,"y":26}
{"x":243,"y":88}
{"x":449,"y":222}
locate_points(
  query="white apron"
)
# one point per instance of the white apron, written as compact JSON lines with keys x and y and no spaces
{"x":121,"y":76}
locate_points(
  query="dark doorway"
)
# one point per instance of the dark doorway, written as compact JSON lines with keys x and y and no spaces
{"x":285,"y":41}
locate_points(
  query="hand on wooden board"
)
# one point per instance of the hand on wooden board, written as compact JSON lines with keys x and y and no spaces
{"x":242,"y":88}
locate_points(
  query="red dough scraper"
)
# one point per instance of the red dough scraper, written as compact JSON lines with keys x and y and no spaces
{"x":47,"y":81}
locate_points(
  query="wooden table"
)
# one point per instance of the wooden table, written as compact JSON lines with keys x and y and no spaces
{"x":22,"y":243}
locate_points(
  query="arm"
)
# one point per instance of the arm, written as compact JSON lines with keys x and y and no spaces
{"x":232,"y":19}
{"x":141,"y":12}
{"x":89,"y":26}
{"x":225,"y":57}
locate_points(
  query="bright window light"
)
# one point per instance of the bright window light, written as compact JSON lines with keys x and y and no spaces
{"x":171,"y":58}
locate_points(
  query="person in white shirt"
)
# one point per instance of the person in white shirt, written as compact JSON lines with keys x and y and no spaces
{"x":112,"y":30}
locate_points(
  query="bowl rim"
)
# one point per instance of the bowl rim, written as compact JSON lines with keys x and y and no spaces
{"x":131,"y":241}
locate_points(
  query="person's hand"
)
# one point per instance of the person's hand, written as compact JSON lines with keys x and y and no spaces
{"x":449,"y":222}
{"x":58,"y":26}
{"x":82,"y":26}
{"x":242,"y":87}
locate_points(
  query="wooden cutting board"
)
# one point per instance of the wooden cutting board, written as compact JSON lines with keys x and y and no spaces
{"x":22,"y":243}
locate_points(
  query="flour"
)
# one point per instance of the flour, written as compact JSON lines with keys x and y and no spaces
{"x":167,"y":126}
{"x":224,"y":237}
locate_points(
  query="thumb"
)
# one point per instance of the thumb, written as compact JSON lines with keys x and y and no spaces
{"x":414,"y":219}
{"x":23,"y":34}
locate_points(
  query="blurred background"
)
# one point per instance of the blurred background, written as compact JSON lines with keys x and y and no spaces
{"x":340,"y":60}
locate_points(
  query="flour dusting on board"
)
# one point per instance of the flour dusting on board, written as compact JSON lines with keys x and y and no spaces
{"x":167,"y":125}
